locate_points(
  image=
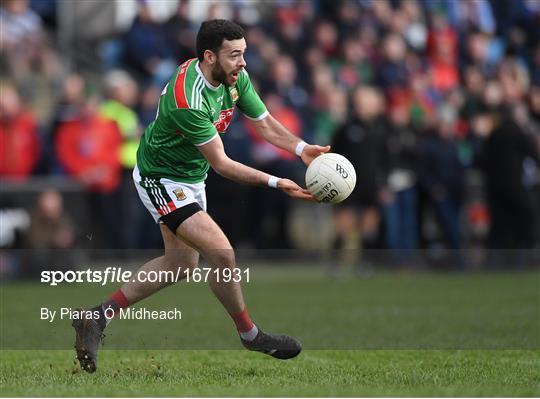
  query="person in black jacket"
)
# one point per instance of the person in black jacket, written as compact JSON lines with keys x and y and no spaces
{"x":508,"y":158}
{"x":361,"y":140}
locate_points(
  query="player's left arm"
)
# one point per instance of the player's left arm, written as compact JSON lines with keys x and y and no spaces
{"x":275,"y":133}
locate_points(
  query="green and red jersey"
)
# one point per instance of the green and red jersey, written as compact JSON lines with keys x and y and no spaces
{"x":192,"y":112}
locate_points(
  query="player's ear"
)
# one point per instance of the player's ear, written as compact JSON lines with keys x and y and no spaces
{"x":210,"y":57}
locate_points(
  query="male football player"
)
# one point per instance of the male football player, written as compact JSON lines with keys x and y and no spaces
{"x":175,"y":153}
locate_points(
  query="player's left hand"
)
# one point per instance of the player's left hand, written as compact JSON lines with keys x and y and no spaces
{"x":311,"y":152}
{"x":294,"y":190}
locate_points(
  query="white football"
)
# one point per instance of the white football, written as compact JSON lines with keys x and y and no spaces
{"x":330,"y":178}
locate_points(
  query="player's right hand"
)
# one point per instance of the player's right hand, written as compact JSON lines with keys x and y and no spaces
{"x":294,"y":190}
{"x":313,"y":151}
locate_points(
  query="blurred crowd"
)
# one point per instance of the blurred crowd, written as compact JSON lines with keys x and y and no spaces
{"x":435,"y":102}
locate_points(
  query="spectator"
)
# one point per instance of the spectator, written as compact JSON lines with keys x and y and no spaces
{"x":122,"y":91}
{"x":257,"y":39}
{"x":330,"y":116}
{"x":361,"y":140}
{"x":50,"y":237}
{"x":270,"y":214}
{"x":478,"y":53}
{"x":181,"y":33}
{"x":505,"y":151}
{"x":72,"y":102}
{"x":393,"y":70}
{"x":147,"y":48}
{"x":19,"y":138}
{"x":353,"y":69}
{"x":441,"y":175}
{"x":443,"y":58}
{"x":24,"y":42}
{"x":322,"y":82}
{"x":444,"y":71}
{"x":441,"y":35}
{"x":88,"y":150}
{"x":283,"y":82}
{"x":423,"y":99}
{"x":514,"y":80}
{"x":326,"y":37}
{"x":290,"y":28}
{"x":493,"y":95}
{"x":399,"y":197}
{"x":474,"y":86}
{"x":122,"y":95}
{"x":69,"y":108}
{"x":348,"y":16}
{"x":50,"y":226}
{"x":415,"y":31}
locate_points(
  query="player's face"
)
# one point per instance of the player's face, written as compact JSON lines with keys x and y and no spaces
{"x":230,"y":62}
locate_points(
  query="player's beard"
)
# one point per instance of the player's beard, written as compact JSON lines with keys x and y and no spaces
{"x":219,"y":74}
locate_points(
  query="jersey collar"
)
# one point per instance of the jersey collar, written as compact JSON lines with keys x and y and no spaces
{"x":206,"y":82}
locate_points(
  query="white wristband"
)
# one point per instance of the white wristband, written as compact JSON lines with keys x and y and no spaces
{"x":300,"y":147}
{"x":272,"y":181}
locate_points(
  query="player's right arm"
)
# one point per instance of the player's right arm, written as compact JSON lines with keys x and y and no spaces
{"x":196,"y":127}
{"x":214,"y":153}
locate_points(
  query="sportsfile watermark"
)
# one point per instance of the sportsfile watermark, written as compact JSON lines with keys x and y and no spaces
{"x":367,"y":297}
{"x":114,"y":274}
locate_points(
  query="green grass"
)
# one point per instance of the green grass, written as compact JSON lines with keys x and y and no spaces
{"x":389,"y":335}
{"x":240,"y":373}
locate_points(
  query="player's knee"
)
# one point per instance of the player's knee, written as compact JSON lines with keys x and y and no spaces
{"x":223,"y":258}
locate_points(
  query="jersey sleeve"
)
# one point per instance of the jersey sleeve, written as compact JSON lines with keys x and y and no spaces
{"x":249,"y":101}
{"x":194,"y":125}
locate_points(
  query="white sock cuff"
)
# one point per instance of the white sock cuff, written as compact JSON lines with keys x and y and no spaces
{"x":251,"y":334}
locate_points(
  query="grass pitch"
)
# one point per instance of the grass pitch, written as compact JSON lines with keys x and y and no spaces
{"x":390,"y":335}
{"x":240,"y":373}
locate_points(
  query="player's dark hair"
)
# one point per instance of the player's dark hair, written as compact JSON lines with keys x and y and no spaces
{"x":212,"y":33}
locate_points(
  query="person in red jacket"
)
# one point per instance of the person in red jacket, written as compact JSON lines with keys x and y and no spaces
{"x":19,"y":140}
{"x":87,"y":148}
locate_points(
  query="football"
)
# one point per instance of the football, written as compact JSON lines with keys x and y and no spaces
{"x":330,"y":178}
